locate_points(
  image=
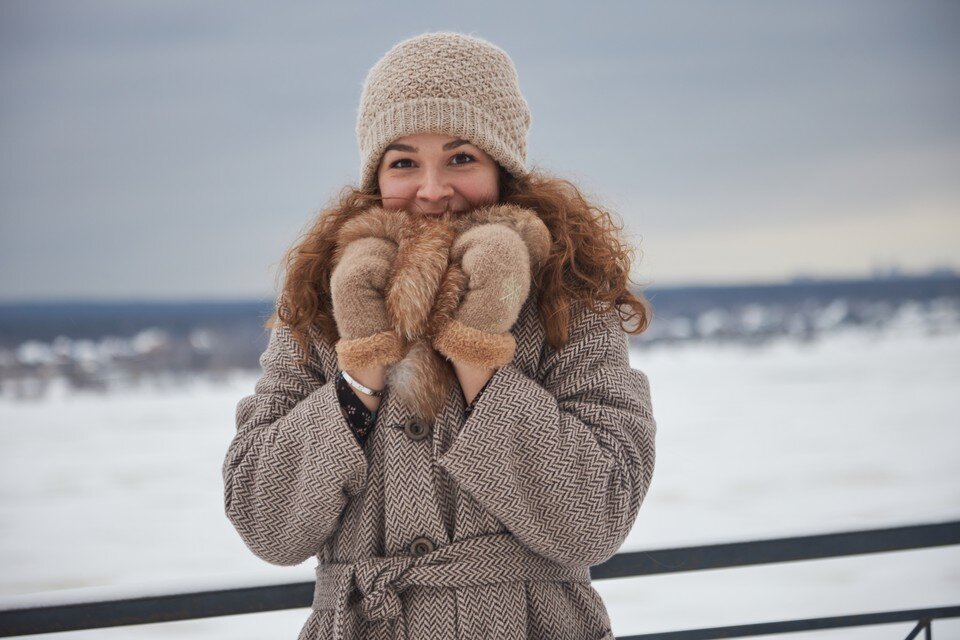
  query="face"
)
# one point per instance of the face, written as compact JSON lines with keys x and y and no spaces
{"x":428,"y":173}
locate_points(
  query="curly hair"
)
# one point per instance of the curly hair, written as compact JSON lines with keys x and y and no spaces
{"x":587,"y":263}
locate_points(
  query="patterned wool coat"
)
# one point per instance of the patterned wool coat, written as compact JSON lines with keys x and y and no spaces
{"x":483,"y":527}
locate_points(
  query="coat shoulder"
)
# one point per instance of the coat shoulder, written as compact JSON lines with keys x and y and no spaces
{"x":530,"y":335}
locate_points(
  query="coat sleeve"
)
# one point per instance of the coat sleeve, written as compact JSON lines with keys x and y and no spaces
{"x":294,"y":462}
{"x":565,"y":464}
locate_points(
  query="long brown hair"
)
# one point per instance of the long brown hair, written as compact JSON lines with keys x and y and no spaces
{"x":588,"y":262}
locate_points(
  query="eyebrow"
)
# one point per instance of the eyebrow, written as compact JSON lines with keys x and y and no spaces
{"x":396,"y":146}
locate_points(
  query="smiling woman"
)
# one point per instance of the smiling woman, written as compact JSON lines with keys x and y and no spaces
{"x":430,"y":173}
{"x":447,"y":418}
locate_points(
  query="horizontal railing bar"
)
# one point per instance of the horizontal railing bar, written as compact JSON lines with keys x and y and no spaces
{"x":25,"y":619}
{"x":807,"y":624}
{"x":741,"y":554}
{"x":153,"y":609}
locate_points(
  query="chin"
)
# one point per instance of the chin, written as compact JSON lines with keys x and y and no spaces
{"x":456,"y":211}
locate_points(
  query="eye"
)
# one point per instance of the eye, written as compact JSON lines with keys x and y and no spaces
{"x":393,"y":165}
{"x":464,"y":155}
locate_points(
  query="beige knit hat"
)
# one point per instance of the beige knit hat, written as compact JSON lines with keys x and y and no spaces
{"x":443,"y":82}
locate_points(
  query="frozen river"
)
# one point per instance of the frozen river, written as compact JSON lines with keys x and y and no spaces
{"x":856,"y":430}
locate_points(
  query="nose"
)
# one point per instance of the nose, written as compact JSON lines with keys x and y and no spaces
{"x":434,"y":190}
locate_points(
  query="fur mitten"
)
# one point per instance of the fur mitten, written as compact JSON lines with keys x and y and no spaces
{"x":358,"y":288}
{"x":494,"y":255}
{"x":364,"y":264}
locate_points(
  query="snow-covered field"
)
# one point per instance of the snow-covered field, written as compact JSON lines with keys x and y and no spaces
{"x":856,"y":430}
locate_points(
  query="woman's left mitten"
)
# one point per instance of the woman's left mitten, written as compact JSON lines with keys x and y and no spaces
{"x":358,"y":288}
{"x":497,"y":266}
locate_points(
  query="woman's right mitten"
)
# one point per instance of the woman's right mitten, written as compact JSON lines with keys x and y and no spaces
{"x":358,"y":288}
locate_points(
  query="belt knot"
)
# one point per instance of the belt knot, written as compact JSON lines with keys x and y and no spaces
{"x":372,"y":586}
{"x":376,"y":581}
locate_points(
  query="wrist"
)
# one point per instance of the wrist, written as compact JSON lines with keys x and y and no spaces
{"x":373,"y":378}
{"x":472,"y":378}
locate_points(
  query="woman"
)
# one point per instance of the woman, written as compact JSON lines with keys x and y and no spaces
{"x":447,"y":416}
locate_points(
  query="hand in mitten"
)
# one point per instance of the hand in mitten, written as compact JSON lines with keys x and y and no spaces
{"x":358,"y":287}
{"x":496,"y":262}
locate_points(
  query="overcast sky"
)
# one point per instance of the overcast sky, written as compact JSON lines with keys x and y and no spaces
{"x":177,"y":149}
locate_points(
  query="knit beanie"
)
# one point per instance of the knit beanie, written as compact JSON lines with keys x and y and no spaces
{"x":443,"y":82}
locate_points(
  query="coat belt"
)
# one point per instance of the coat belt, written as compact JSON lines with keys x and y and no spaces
{"x":372,"y":584}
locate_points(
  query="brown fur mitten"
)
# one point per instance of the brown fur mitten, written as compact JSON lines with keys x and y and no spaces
{"x":497,"y":263}
{"x":358,"y":288}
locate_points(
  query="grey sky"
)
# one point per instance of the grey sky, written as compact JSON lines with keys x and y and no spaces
{"x":177,"y":149}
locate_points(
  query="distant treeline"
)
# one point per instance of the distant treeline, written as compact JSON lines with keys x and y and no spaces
{"x":97,"y":345}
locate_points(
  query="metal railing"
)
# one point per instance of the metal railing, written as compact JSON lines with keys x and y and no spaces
{"x":84,"y":614}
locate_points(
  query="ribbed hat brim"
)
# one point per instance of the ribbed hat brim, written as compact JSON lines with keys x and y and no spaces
{"x":437,"y":115}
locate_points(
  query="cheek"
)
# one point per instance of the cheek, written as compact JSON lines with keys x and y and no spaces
{"x":483,"y":188}
{"x":392,"y":188}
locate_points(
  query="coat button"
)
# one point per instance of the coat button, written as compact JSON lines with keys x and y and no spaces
{"x":421,"y":547}
{"x":417,"y":430}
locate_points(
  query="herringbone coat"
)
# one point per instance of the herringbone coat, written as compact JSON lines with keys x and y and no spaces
{"x":476,"y":528}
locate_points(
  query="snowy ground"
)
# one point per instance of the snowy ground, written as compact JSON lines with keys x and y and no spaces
{"x":857,"y":430}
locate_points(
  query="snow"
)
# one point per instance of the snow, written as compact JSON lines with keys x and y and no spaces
{"x":858,"y":429}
